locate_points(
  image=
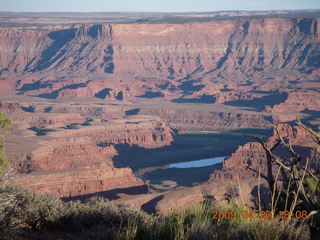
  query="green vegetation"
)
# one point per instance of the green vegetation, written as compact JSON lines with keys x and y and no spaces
{"x":5,"y":124}
{"x":98,"y":218}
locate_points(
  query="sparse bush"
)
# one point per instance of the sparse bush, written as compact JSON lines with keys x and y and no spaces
{"x":5,"y":124}
{"x":21,"y":206}
{"x":102,"y":219}
{"x":312,"y":188}
{"x":4,"y":163}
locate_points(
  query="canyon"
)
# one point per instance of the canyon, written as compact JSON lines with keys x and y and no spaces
{"x":105,"y":108}
{"x":253,"y":155}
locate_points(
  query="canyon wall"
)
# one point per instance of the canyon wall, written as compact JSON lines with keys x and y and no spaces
{"x":210,"y":118}
{"x":77,"y":91}
{"x":168,"y":60}
{"x":165,"y":49}
{"x":253,"y":155}
{"x":89,"y":146}
{"x":296,"y":102}
{"x":70,"y":184}
{"x":10,"y":107}
{"x":71,"y":159}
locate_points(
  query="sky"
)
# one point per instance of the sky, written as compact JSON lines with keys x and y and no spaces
{"x":153,"y":5}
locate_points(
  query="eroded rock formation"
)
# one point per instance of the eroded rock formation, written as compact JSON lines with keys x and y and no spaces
{"x":102,"y":60}
{"x":296,"y":102}
{"x":83,"y":182}
{"x":10,"y":107}
{"x":210,"y":118}
{"x":198,"y":46}
{"x":253,"y":155}
{"x":82,"y":89}
{"x":91,"y":146}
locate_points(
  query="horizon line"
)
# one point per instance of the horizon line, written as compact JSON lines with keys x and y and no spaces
{"x":214,"y":11}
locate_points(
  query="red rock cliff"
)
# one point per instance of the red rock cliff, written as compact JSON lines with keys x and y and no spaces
{"x":252,"y":154}
{"x":154,"y":57}
{"x":82,"y":182}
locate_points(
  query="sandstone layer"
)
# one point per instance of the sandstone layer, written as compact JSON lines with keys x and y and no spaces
{"x":211,"y":118}
{"x":68,"y":184}
{"x":77,"y":92}
{"x":68,"y":150}
{"x":296,"y":102}
{"x":254,"y":156}
{"x":163,"y":60}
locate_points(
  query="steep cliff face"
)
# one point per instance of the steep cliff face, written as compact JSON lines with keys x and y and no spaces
{"x":228,"y":51}
{"x":35,"y":120}
{"x":296,"y":102}
{"x":71,"y":153}
{"x":10,"y":107}
{"x":77,"y":160}
{"x":210,"y":118}
{"x":236,"y":96}
{"x":86,"y":110}
{"x":169,"y":49}
{"x":106,"y":182}
{"x":295,"y":134}
{"x":82,"y":72}
{"x":235,"y":167}
{"x":252,"y":154}
{"x":89,"y":146}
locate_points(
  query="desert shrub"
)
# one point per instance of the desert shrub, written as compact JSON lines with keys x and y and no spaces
{"x":43,"y":212}
{"x":5,"y":124}
{"x":46,"y":213}
{"x":13,"y":202}
{"x":21,"y":206}
{"x":102,"y":219}
{"x":279,"y":229}
{"x":312,"y":191}
{"x":97,"y":212}
{"x":254,"y":227}
{"x":312,"y":188}
{"x":4,"y":163}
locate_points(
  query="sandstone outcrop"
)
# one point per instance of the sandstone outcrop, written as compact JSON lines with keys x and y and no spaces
{"x":204,"y":46}
{"x":236,"y":96}
{"x":76,"y":92}
{"x":103,"y":60}
{"x":253,"y":155}
{"x":70,"y":184}
{"x":30,"y":120}
{"x":235,"y":167}
{"x":164,"y":203}
{"x":71,"y":153}
{"x":296,"y":102}
{"x":210,"y":118}
{"x":67,"y":155}
{"x":10,"y":107}
{"x":91,"y":146}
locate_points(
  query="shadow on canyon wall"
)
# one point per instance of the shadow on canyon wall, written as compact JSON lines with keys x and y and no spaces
{"x":203,"y":99}
{"x":186,"y":177}
{"x":55,"y":50}
{"x":150,"y":207}
{"x":111,"y":194}
{"x":184,"y":148}
{"x":273,"y":98}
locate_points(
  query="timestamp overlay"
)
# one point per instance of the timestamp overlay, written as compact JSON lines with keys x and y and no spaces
{"x":251,"y":214}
